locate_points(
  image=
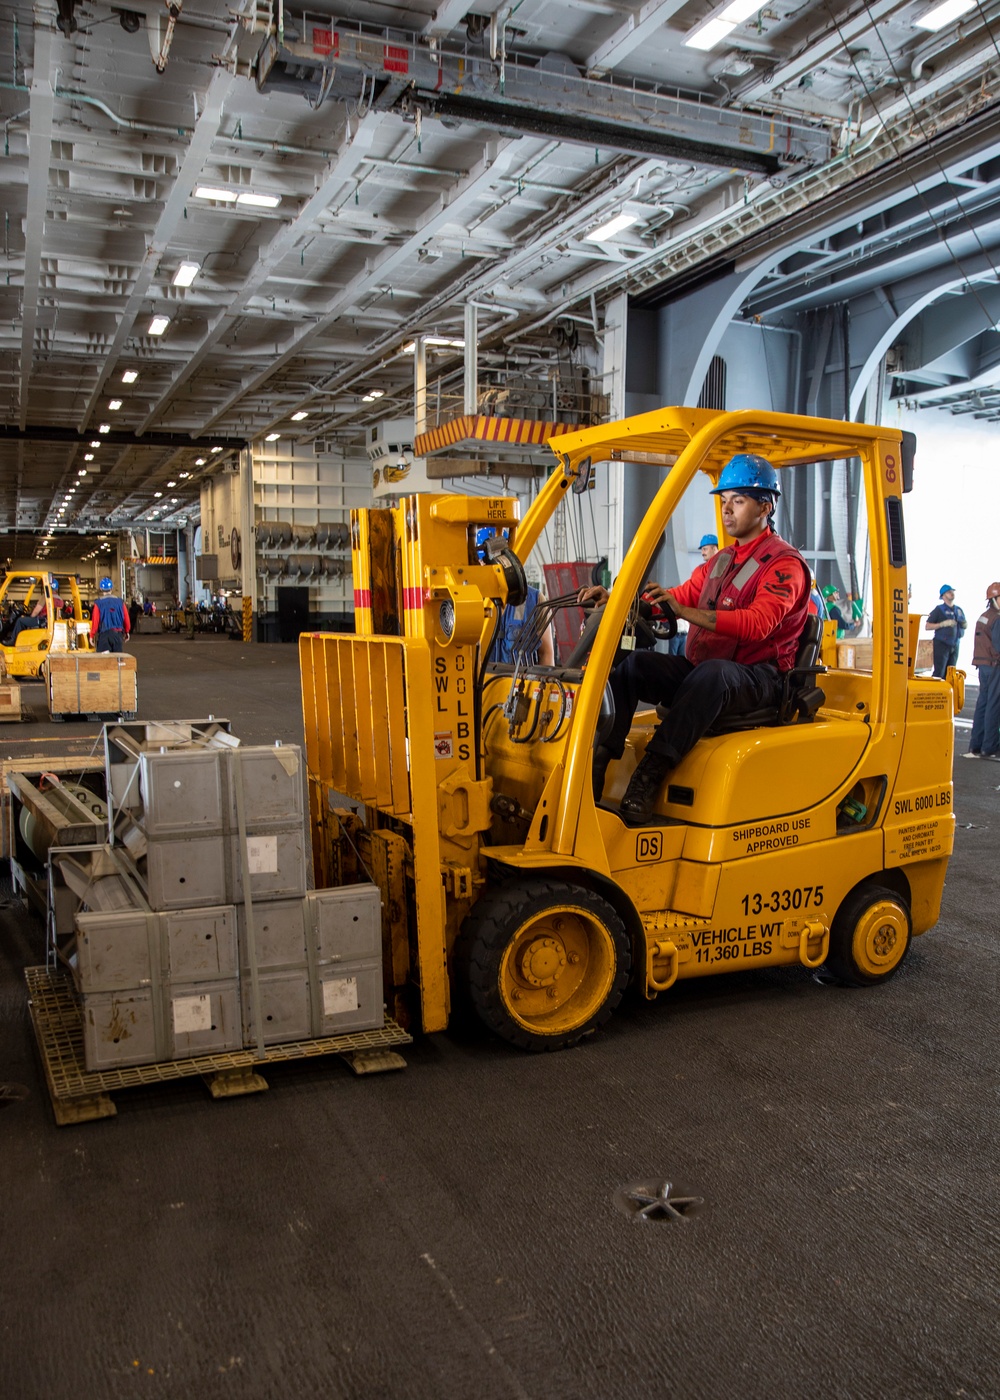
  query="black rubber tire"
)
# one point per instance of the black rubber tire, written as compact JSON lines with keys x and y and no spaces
{"x":857,"y":958}
{"x":493,"y":925}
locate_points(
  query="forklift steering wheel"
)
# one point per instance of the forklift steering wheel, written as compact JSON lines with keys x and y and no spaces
{"x":648,"y":632}
{"x":664,"y":628}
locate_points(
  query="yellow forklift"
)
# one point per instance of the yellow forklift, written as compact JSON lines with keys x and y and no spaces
{"x":819,"y":837}
{"x":24,"y":592}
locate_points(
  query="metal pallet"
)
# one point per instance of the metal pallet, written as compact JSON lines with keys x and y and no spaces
{"x":79,"y":1095}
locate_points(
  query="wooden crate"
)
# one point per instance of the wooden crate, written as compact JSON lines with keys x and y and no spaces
{"x":88,"y":683}
{"x":856,"y":655}
{"x":10,"y":701}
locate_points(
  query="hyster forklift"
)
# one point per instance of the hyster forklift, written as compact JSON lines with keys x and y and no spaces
{"x":20,"y":591}
{"x":817,"y":837}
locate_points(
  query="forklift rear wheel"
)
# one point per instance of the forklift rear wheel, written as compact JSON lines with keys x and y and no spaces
{"x":870,"y":936}
{"x":545,"y":962}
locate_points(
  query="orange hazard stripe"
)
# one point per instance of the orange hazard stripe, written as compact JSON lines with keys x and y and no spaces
{"x":485,"y":429}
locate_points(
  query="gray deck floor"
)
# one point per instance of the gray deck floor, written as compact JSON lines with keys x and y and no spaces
{"x":452,"y":1231}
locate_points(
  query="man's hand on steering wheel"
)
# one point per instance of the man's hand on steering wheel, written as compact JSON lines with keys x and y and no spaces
{"x":662,"y":622}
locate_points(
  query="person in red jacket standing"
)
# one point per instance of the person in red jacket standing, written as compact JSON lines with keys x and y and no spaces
{"x":109,"y":620}
{"x":746,"y":608}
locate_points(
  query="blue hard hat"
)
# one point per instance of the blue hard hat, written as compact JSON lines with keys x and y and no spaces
{"x":945,"y":588}
{"x":105,"y":585}
{"x":748,"y":472}
{"x":708,"y":539}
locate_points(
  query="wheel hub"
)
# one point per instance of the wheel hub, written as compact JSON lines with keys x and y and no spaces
{"x":541,"y":962}
{"x":884,"y":940}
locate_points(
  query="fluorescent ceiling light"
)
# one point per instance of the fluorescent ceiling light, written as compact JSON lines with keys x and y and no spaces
{"x":171,"y":483}
{"x":186,"y":273}
{"x":216,"y":449}
{"x":707,"y":35}
{"x":368,"y":398}
{"x":175,"y":500}
{"x":88,"y":457}
{"x":198,"y":461}
{"x":184,"y":475}
{"x":259,"y":201}
{"x":130,"y":376}
{"x":82,"y":471}
{"x":614,"y":226}
{"x":104,"y":428}
{"x":158,"y":325}
{"x":114,"y":405}
{"x":298,"y":417}
{"x":157,"y":494}
{"x":210,"y":192}
{"x":739,"y":10}
{"x":95,"y":444}
{"x":944,"y":14}
{"x":377,"y":393}
{"x":272,"y":437}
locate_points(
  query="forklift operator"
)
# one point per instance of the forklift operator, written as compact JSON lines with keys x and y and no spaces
{"x":746,"y":608}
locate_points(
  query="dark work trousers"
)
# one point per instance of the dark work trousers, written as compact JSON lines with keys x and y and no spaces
{"x":945,"y":655}
{"x":696,"y":695}
{"x":112,"y":640}
{"x":986,"y":720}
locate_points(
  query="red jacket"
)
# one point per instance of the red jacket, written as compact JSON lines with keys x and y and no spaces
{"x":759,"y":592}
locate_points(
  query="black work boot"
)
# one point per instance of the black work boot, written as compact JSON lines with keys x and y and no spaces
{"x":644,"y":785}
{"x":602,"y":758}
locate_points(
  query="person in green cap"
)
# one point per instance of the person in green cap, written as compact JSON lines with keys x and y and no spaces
{"x":831,"y":596}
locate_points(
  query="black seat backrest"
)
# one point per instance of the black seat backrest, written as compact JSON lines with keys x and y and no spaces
{"x":807,"y":656}
{"x":801,"y":696}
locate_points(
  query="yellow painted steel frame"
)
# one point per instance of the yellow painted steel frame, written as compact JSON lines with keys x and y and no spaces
{"x":28,"y":654}
{"x":757,"y":854}
{"x":759,"y":846}
{"x":704,"y":441}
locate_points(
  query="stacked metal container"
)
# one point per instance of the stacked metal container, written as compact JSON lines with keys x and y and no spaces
{"x":219,"y":944}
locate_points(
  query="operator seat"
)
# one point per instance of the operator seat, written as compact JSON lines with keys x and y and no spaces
{"x":801,"y":697}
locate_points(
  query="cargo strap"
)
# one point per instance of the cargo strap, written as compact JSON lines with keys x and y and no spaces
{"x":241,"y":826}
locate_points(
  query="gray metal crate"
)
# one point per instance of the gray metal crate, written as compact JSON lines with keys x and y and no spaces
{"x":285,"y":1007}
{"x":181,"y":793}
{"x":139,"y":1027}
{"x":347,"y":921}
{"x":119,"y":1029}
{"x":279,"y":934}
{"x":344,"y":998}
{"x":276,"y":861}
{"x":349,"y":998}
{"x":272,"y":786}
{"x":118,"y":951}
{"x":186,"y":874}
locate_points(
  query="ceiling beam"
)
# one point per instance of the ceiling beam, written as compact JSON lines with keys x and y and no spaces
{"x":498,"y":158}
{"x":42,"y":102}
{"x":205,"y":132}
{"x":352,"y":153}
{"x":635,"y":31}
{"x":118,"y":438}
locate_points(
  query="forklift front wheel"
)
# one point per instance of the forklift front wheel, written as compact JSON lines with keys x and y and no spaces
{"x":546,"y":962}
{"x":870,"y":936}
